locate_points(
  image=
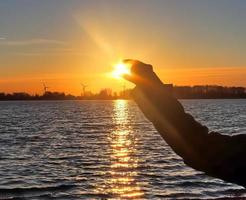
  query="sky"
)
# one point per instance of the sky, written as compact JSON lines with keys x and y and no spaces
{"x":66,"y":43}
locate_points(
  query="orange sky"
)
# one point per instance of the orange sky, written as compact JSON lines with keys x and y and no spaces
{"x":71,"y":83}
{"x":66,"y":43}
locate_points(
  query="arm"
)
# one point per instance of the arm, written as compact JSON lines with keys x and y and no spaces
{"x":215,"y":154}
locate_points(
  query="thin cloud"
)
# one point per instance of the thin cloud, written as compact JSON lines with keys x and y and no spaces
{"x":2,"y":38}
{"x":37,"y":41}
{"x":54,"y":51}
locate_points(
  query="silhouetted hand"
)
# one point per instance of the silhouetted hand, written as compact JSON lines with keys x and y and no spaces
{"x":142,"y":74}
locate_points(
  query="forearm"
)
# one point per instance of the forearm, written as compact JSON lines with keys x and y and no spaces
{"x":207,"y":152}
{"x":181,"y":131}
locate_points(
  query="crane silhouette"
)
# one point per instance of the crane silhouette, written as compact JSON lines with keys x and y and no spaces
{"x":45,"y":88}
{"x":124,"y":91}
{"x":84,"y":88}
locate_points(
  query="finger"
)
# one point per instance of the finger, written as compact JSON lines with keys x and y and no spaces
{"x":131,"y":61}
{"x":129,"y":78}
{"x":134,"y":64}
{"x":137,"y":66}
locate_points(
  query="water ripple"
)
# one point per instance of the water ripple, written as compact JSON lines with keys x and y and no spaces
{"x":104,"y":150}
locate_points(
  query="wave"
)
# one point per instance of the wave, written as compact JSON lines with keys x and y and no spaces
{"x":15,"y":191}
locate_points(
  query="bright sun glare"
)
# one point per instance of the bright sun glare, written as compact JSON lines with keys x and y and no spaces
{"x":120,"y":69}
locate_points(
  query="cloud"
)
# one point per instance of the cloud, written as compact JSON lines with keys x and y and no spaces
{"x":54,"y":53}
{"x":35,"y":41}
{"x":2,"y":38}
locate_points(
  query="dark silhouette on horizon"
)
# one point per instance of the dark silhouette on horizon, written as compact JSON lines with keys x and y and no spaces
{"x":216,"y":155}
{"x":103,"y":94}
{"x":179,"y":92}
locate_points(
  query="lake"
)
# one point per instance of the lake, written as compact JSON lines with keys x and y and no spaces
{"x":104,"y":150}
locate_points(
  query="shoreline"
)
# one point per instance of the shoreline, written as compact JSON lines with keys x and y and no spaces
{"x":113,"y":99}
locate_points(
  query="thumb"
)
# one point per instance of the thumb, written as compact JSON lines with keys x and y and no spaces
{"x":129,"y":78}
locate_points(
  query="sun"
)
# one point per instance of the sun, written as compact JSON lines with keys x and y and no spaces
{"x":120,"y":69}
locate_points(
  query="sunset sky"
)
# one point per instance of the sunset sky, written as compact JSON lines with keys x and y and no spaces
{"x":65,"y":43}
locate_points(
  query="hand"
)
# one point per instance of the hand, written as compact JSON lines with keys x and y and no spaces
{"x":142,"y":74}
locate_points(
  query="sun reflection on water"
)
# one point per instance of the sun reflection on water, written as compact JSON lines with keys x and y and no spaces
{"x":121,"y":182}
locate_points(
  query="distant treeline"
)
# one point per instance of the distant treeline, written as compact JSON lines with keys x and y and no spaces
{"x":180,"y":92}
{"x":104,"y":94}
{"x":208,"y":92}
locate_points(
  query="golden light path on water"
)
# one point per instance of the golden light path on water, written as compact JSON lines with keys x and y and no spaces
{"x":123,"y":170}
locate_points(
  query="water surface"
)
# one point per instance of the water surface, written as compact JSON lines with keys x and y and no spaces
{"x":104,"y":150}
